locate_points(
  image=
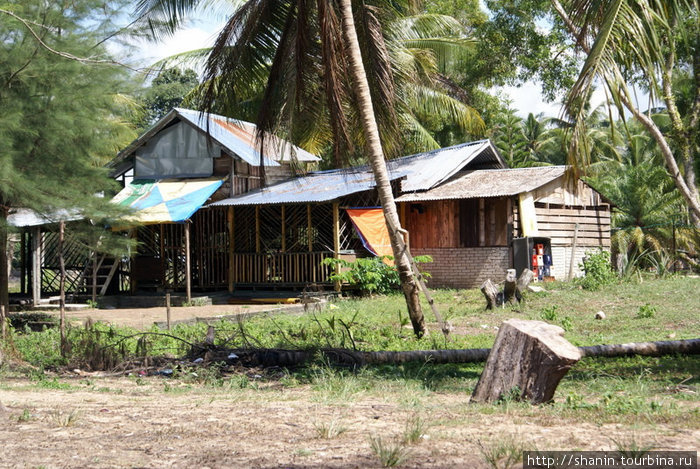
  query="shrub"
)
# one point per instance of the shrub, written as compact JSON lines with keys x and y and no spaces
{"x":371,"y":274}
{"x":598,"y":270}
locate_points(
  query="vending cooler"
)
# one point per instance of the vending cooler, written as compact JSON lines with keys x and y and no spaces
{"x":534,"y":253}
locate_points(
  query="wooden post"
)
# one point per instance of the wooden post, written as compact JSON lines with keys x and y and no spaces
{"x":94,"y":276}
{"x":573,"y":253}
{"x":402,"y":215}
{"x":211,"y":336}
{"x":527,"y":361}
{"x":3,"y":326}
{"x":167,"y":310}
{"x":336,"y":239}
{"x":134,"y":234}
{"x":482,"y":223}
{"x":188,"y":263}
{"x":232,"y":247}
{"x":22,"y":261}
{"x":309,"y":228}
{"x":62,"y":288}
{"x":284,"y":230}
{"x":36,"y":266}
{"x":161,"y":238}
{"x":257,"y":228}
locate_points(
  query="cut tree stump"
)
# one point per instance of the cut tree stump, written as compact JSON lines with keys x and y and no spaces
{"x":491,"y":293}
{"x":526,"y":363}
{"x":523,"y":281}
{"x":509,"y":287}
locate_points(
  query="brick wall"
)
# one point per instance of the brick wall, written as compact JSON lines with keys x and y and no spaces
{"x":464,"y":267}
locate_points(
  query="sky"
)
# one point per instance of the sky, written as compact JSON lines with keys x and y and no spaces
{"x":202,"y":31}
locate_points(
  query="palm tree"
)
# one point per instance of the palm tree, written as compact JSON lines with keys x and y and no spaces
{"x":639,"y":39}
{"x":424,"y":50}
{"x":645,"y":199}
{"x":298,"y":46}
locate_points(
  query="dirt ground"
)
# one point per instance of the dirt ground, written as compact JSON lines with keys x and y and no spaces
{"x":144,"y":318}
{"x":156,"y":422}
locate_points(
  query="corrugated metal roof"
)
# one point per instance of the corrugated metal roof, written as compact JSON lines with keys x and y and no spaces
{"x":315,"y":187}
{"x":239,"y":137}
{"x":423,"y":170}
{"x":489,"y":183}
{"x":236,"y":137}
{"x":427,"y":170}
{"x":24,"y":217}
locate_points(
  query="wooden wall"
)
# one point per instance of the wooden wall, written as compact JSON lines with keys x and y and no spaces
{"x":457,"y":223}
{"x":558,"y":223}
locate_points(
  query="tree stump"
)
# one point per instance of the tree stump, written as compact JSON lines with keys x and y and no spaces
{"x":527,"y":361}
{"x":523,"y":281}
{"x":509,"y":287}
{"x":490,"y":292}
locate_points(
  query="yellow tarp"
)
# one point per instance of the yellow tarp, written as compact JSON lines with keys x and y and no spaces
{"x":528,"y":216}
{"x":370,"y":225}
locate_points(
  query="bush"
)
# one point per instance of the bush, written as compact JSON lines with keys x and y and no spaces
{"x":598,"y":270}
{"x":371,"y":274}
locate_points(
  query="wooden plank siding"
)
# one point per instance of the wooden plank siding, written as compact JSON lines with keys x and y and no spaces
{"x":457,"y":223}
{"x":558,"y":223}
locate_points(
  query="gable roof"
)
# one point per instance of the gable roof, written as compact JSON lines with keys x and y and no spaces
{"x":489,"y":183}
{"x":237,"y":138}
{"x":426,"y":170}
{"x":420,"y":171}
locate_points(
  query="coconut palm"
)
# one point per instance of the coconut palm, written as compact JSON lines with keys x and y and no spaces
{"x":639,"y":40}
{"x":298,"y":49}
{"x":423,"y":50}
{"x":646,"y":201}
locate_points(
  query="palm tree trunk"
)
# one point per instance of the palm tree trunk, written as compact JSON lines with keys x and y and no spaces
{"x":375,"y":154}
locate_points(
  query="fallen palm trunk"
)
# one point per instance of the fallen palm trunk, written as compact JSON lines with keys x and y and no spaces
{"x":280,"y":357}
{"x":649,"y":349}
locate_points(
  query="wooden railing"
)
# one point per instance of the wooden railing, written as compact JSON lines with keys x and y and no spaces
{"x":281,"y":268}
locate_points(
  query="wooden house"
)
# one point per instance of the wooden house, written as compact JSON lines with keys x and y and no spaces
{"x":207,"y":224}
{"x":460,"y":205}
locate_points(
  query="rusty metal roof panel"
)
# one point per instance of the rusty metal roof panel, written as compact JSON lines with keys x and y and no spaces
{"x":235,"y":136}
{"x":489,"y":183}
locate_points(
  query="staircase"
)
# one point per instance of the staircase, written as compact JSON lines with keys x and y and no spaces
{"x":107,"y":267}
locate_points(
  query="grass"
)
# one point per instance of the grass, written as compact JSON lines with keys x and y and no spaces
{"x":597,"y":390}
{"x":503,"y":452}
{"x":389,"y":453}
{"x":65,"y":419}
{"x":330,"y":430}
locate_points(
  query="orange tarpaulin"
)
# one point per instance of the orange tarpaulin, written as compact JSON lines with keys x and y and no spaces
{"x":370,"y":225}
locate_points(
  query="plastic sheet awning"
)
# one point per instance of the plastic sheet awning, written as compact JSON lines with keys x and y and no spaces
{"x":371,"y":226}
{"x":165,"y":200}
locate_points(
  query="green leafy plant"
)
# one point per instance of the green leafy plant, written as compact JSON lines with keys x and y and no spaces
{"x":646,"y":311}
{"x":550,"y":313}
{"x":598,"y":270}
{"x":370,"y":275}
